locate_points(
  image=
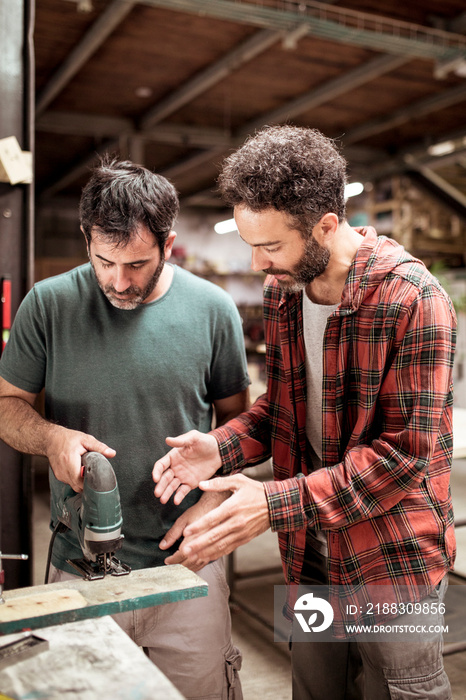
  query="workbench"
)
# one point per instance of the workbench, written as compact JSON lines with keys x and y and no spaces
{"x":86,"y":654}
{"x":90,"y":660}
{"x":77,"y":599}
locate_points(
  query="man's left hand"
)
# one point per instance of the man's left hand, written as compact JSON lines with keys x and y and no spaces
{"x":240,"y":518}
{"x":206,"y":503}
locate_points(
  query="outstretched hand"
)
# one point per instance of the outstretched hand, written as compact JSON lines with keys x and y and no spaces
{"x":240,"y":518}
{"x":195,"y":456}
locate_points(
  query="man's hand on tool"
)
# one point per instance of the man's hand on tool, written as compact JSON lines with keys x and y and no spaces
{"x":195,"y":456}
{"x":64,"y":452}
{"x":207,"y":502}
{"x":240,"y":518}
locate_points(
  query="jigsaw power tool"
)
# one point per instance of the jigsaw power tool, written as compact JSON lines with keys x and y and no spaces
{"x":95,"y":518}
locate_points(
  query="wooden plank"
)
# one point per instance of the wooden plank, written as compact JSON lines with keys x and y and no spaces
{"x":89,"y":660}
{"x":77,"y":599}
{"x":39,"y":604}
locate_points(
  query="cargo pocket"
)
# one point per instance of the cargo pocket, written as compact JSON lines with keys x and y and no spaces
{"x":435,"y":686}
{"x":233,"y":661}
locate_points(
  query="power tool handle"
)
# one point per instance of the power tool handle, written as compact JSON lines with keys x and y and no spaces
{"x":99,"y":472}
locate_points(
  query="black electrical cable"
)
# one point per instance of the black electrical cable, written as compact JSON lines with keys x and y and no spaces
{"x":59,"y":527}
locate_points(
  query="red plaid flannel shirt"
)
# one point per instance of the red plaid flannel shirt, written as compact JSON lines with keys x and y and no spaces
{"x":382,"y":495}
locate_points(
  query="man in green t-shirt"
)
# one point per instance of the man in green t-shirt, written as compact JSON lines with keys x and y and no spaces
{"x":129,"y":349}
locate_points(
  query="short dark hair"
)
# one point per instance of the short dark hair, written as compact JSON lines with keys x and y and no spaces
{"x":121,"y":195}
{"x":292,"y":169}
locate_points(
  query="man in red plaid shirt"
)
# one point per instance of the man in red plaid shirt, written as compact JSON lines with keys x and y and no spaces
{"x":357,"y":418}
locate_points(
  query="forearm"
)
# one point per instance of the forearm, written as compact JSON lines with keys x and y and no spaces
{"x":230,"y":407}
{"x":23,"y":428}
{"x":26,"y":431}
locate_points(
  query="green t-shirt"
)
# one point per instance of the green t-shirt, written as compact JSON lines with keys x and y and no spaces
{"x":130,"y":378}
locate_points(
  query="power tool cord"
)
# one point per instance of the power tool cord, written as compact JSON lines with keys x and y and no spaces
{"x":59,"y":527}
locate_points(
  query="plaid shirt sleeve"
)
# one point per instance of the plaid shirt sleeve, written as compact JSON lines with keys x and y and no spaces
{"x":397,"y":415}
{"x":245,"y":440}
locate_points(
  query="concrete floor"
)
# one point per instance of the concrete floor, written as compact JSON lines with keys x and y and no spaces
{"x":266,"y":673}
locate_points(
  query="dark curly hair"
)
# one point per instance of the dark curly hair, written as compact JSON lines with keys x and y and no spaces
{"x":122,"y":195}
{"x":295,"y":170}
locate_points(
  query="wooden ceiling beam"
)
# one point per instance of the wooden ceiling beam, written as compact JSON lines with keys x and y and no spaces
{"x":420,"y":150}
{"x":216,"y":143}
{"x":381,"y":168}
{"x":333,"y":23}
{"x":439,"y":162}
{"x":86,"y":163}
{"x":331,"y":90}
{"x":212,"y":75}
{"x":92,"y":40}
{"x":421,"y":108}
{"x":438,"y":182}
{"x":328,"y":91}
{"x":83,"y":124}
{"x":98,"y":126}
{"x":185,"y":164}
{"x":189,"y":136}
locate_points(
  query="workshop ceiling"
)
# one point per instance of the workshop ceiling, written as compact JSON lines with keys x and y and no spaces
{"x":176,"y":84}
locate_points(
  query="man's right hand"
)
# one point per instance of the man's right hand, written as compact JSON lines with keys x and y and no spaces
{"x":195,"y":457}
{"x":64,"y":452}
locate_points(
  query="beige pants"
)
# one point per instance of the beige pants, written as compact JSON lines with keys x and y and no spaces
{"x":189,"y":641}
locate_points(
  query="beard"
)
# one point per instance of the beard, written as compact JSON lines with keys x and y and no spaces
{"x":138,"y":294}
{"x":312,"y":264}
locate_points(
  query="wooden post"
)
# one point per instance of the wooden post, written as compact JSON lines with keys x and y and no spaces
{"x":16,"y":262}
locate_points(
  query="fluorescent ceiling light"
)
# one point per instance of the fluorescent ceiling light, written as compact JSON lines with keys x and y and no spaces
{"x":441,"y":149}
{"x":353,"y":189}
{"x":225,"y":226}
